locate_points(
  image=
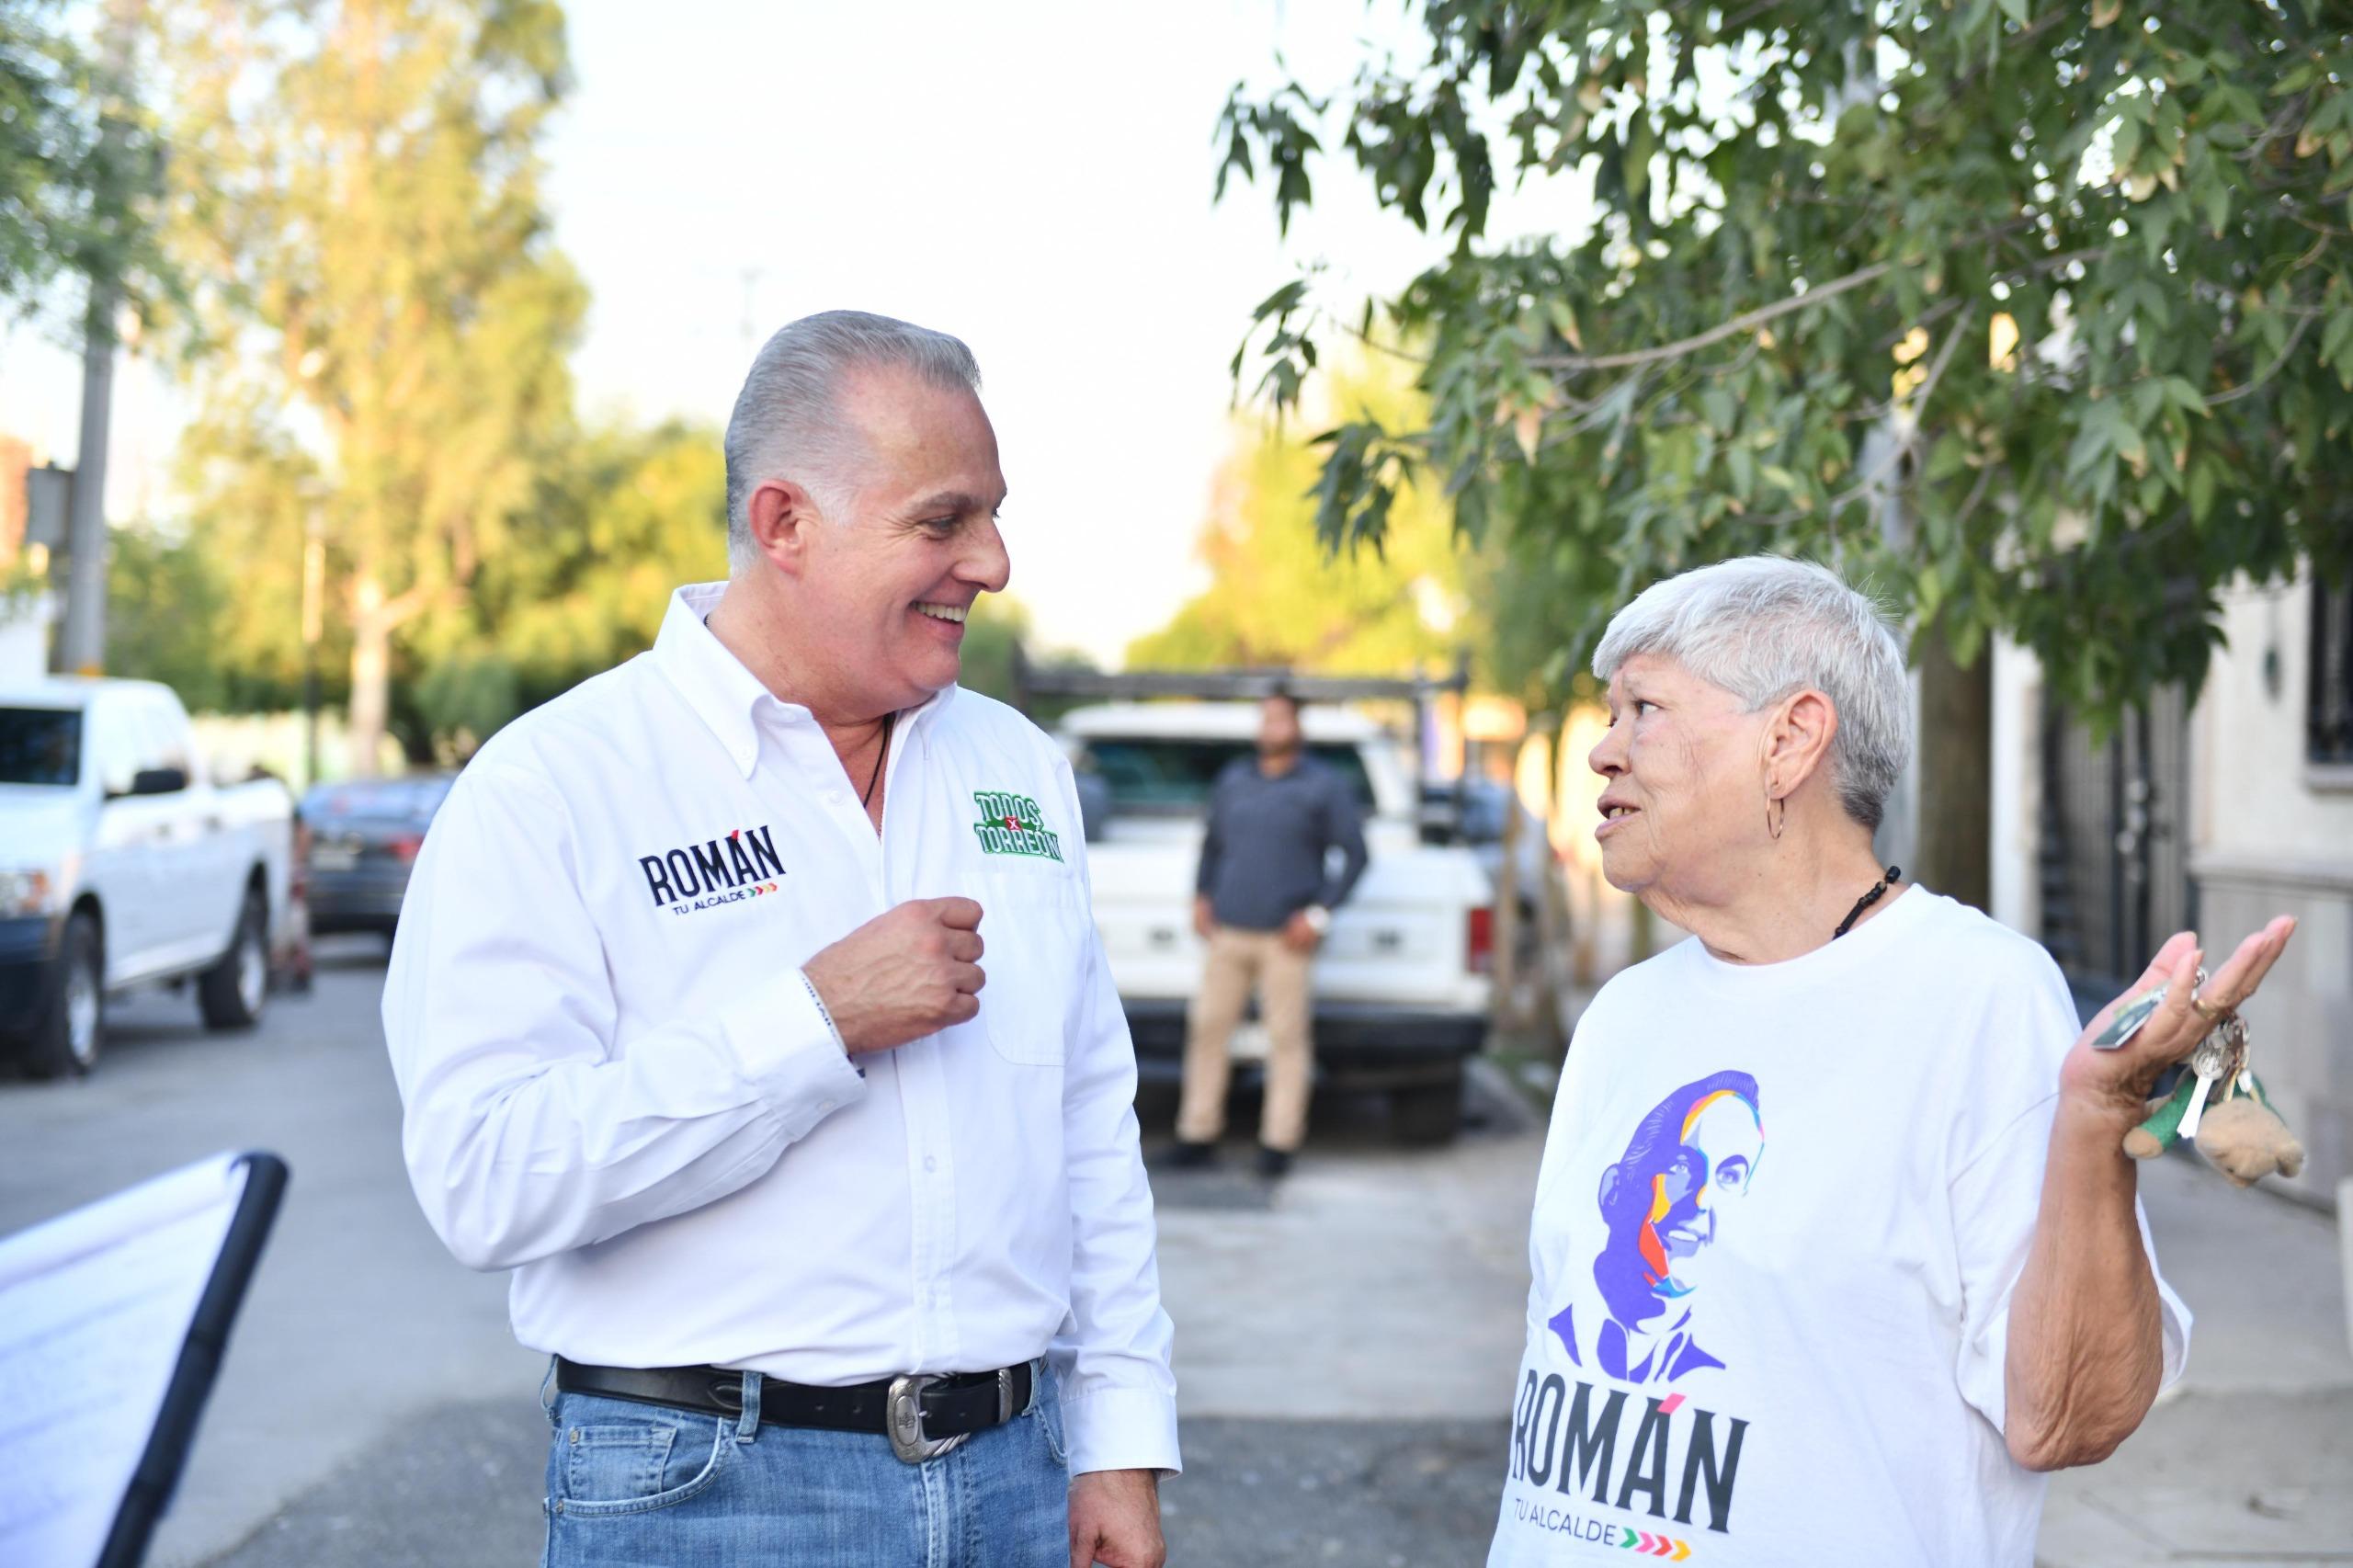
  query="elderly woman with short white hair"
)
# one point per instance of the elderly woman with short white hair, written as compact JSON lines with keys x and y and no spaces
{"x":1835,"y":1247}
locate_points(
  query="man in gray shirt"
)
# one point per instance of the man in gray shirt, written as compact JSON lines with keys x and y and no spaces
{"x":1262,"y":903}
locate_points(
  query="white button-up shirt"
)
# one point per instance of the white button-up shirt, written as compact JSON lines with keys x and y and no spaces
{"x":619,"y":1084}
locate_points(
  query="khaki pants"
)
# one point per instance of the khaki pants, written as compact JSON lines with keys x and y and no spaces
{"x":1237,"y":960}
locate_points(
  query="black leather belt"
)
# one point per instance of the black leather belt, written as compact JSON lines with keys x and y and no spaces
{"x":923,"y":1416}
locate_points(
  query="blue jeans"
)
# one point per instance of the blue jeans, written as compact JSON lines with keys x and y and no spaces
{"x":635,"y":1486}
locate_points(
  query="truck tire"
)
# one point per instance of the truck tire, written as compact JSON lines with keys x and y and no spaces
{"x":69,"y":1039}
{"x":232,"y":992}
{"x":1427,"y":1114}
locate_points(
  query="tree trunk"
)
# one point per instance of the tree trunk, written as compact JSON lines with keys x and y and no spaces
{"x":1956,"y":769}
{"x":371,"y":648}
{"x":1504,"y":932}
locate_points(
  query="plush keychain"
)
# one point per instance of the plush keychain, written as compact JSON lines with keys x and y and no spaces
{"x":2219,"y":1102}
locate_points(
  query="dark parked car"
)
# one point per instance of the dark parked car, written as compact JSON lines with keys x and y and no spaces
{"x":1473,"y":811}
{"x":364,"y":835}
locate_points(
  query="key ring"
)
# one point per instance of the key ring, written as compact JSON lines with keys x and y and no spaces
{"x":2212,"y":1015}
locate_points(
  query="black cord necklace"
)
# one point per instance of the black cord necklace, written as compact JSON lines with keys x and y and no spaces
{"x":889,"y":720}
{"x":876,"y":777}
{"x":1895,"y":874}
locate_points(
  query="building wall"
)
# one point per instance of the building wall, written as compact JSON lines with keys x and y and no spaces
{"x":2016,"y":830}
{"x":2272,"y":836}
{"x":24,"y":636}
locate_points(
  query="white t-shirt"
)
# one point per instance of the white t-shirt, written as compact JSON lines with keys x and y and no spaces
{"x":1782,"y":1211}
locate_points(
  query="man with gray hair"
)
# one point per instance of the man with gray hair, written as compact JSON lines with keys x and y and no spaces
{"x":838,"y":1257}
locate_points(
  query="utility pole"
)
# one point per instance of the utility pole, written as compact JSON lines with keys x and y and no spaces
{"x":82,"y":641}
{"x":315,"y":581}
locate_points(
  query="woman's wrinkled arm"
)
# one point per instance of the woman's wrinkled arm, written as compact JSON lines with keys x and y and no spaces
{"x":2085,"y":1353}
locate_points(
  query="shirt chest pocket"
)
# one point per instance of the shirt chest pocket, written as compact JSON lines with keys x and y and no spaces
{"x":1034,"y":925}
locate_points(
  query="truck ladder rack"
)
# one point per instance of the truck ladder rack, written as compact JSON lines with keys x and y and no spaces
{"x":1032,"y":681}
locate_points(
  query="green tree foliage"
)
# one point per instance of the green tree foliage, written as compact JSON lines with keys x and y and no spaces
{"x":619,"y":516}
{"x":2038,"y":314}
{"x":73,"y":199}
{"x":253,"y":494}
{"x":358,"y":205}
{"x":998,"y":633}
{"x":996,"y":625}
{"x":622,"y":516}
{"x":167,"y":604}
{"x":1279,"y":596}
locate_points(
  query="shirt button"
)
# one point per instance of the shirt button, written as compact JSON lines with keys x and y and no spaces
{"x":930,"y":1163}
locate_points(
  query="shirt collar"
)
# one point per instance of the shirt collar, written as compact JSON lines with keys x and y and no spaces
{"x":724,"y":695}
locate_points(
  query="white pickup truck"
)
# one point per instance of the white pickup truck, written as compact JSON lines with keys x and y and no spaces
{"x":1401,"y":984}
{"x":121,"y":862}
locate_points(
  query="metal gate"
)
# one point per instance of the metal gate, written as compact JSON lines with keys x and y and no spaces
{"x":2115,"y":842}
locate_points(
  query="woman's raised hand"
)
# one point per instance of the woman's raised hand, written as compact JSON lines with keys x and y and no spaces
{"x":2124,"y":1075}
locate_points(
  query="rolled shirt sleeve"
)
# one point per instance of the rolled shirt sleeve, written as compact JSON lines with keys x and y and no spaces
{"x":1995,"y":1197}
{"x":526,"y":1131}
{"x":1112,"y":1355}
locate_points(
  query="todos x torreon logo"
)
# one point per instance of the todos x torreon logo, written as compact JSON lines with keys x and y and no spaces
{"x":1012,"y":824}
{"x":743,"y":865}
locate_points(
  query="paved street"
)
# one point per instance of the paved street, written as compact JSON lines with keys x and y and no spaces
{"x":374,"y":1411}
{"x":1345,"y":1349}
{"x":357,"y":1321}
{"x":2251,"y":1460}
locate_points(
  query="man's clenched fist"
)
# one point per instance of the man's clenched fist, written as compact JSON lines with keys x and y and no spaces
{"x":903,"y":975}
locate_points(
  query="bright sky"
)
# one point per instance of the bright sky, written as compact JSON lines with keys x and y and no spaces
{"x":1034,"y":177}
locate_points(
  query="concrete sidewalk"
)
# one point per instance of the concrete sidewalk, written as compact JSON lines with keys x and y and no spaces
{"x":2250,"y":1459}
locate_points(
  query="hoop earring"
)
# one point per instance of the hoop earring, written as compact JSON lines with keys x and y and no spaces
{"x":1777,"y":816}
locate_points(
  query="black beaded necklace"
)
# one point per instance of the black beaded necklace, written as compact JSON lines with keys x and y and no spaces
{"x":876,"y":777}
{"x":1895,"y":874}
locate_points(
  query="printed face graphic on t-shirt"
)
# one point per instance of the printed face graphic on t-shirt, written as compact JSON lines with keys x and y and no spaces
{"x":1708,"y":1168}
{"x":1688,"y":1162}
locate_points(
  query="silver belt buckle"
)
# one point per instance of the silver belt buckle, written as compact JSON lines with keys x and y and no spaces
{"x":905,"y":1420}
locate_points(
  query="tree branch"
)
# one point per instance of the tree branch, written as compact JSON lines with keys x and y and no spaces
{"x":1897,"y":450}
{"x":398,"y":610}
{"x":1944,"y":357}
{"x":1373,"y":343}
{"x":2290,"y":116}
{"x":2286,"y":350}
{"x":2329,"y":229}
{"x":1745,"y":321}
{"x":1977,"y":494}
{"x":1929,"y":317}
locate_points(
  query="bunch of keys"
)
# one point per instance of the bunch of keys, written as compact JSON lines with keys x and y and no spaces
{"x":2253,"y":1144}
{"x":2221,"y":1057}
